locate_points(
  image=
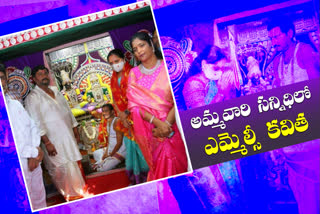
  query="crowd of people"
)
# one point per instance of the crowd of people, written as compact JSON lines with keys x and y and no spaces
{"x":139,"y":126}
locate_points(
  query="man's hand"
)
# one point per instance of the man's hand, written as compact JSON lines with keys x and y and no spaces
{"x":123,"y":116}
{"x":79,"y":141}
{"x":39,"y":158}
{"x":32,"y":164}
{"x":126,"y":123}
{"x":51,"y":149}
{"x":76,"y":135}
{"x":105,"y":155}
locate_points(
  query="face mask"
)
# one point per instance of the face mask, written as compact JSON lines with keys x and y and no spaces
{"x":214,"y":75}
{"x":211,"y":73}
{"x":118,"y":67}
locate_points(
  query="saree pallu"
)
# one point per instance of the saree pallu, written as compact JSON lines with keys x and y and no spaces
{"x":136,"y":166}
{"x":164,"y":156}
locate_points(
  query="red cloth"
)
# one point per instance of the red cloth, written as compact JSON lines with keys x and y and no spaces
{"x":119,"y":93}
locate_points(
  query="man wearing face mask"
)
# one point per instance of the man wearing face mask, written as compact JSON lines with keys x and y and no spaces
{"x":136,"y":166}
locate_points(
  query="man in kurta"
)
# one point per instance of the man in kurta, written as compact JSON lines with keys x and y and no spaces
{"x":27,"y":140}
{"x":59,"y":134}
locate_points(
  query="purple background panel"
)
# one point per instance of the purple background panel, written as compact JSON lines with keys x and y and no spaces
{"x":197,"y":139}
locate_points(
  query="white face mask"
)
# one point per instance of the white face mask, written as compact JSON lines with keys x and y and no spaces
{"x":118,"y":67}
{"x":210,"y":72}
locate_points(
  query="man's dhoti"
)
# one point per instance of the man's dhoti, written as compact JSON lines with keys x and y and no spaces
{"x":35,"y":185}
{"x":68,"y":180}
{"x":56,"y":121}
{"x":106,"y":164}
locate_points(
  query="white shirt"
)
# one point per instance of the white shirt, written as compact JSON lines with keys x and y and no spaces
{"x":113,"y":140}
{"x":55,"y":120}
{"x":25,"y":131}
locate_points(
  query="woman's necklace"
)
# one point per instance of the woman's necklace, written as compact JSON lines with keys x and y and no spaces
{"x":147,"y":71}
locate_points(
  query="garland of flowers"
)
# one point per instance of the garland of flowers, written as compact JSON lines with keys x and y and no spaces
{"x":94,"y":131}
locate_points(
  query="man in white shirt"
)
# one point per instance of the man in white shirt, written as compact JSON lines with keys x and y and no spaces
{"x":27,"y":140}
{"x":297,"y":62}
{"x":59,"y":134}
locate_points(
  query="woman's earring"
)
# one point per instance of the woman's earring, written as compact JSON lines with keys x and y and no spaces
{"x":152,"y":47}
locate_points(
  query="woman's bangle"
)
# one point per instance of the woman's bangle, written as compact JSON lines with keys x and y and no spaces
{"x":151,"y":119}
{"x":167,"y":122}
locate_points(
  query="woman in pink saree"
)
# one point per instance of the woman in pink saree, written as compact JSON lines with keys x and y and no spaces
{"x":151,"y":104}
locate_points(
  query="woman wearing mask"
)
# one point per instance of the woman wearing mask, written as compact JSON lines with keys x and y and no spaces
{"x":151,"y":105}
{"x":217,"y":188}
{"x":211,"y":79}
{"x":137,"y":168}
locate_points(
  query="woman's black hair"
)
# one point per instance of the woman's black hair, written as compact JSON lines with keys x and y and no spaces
{"x":109,"y":106}
{"x":116,"y":52}
{"x":212,"y":54}
{"x":148,"y":38}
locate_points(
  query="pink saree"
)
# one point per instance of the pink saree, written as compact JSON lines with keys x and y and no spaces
{"x":152,"y":93}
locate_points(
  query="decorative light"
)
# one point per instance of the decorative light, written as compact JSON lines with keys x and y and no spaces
{"x":85,"y":19}
{"x":6,"y":43}
{"x":93,"y":17}
{"x":116,"y":11}
{"x":55,"y":27}
{"x":19,"y":38}
{"x":26,"y":36}
{"x":124,"y":8}
{"x":33,"y":34}
{"x":40,"y":32}
{"x":13,"y":41}
{"x":132,"y":6}
{"x":70,"y":23}
{"x":100,"y":15}
{"x":109,"y":12}
{"x":47,"y":29}
{"x":77,"y":21}
{"x":63,"y":25}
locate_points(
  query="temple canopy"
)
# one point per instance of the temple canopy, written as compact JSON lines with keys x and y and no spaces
{"x":67,"y":35}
